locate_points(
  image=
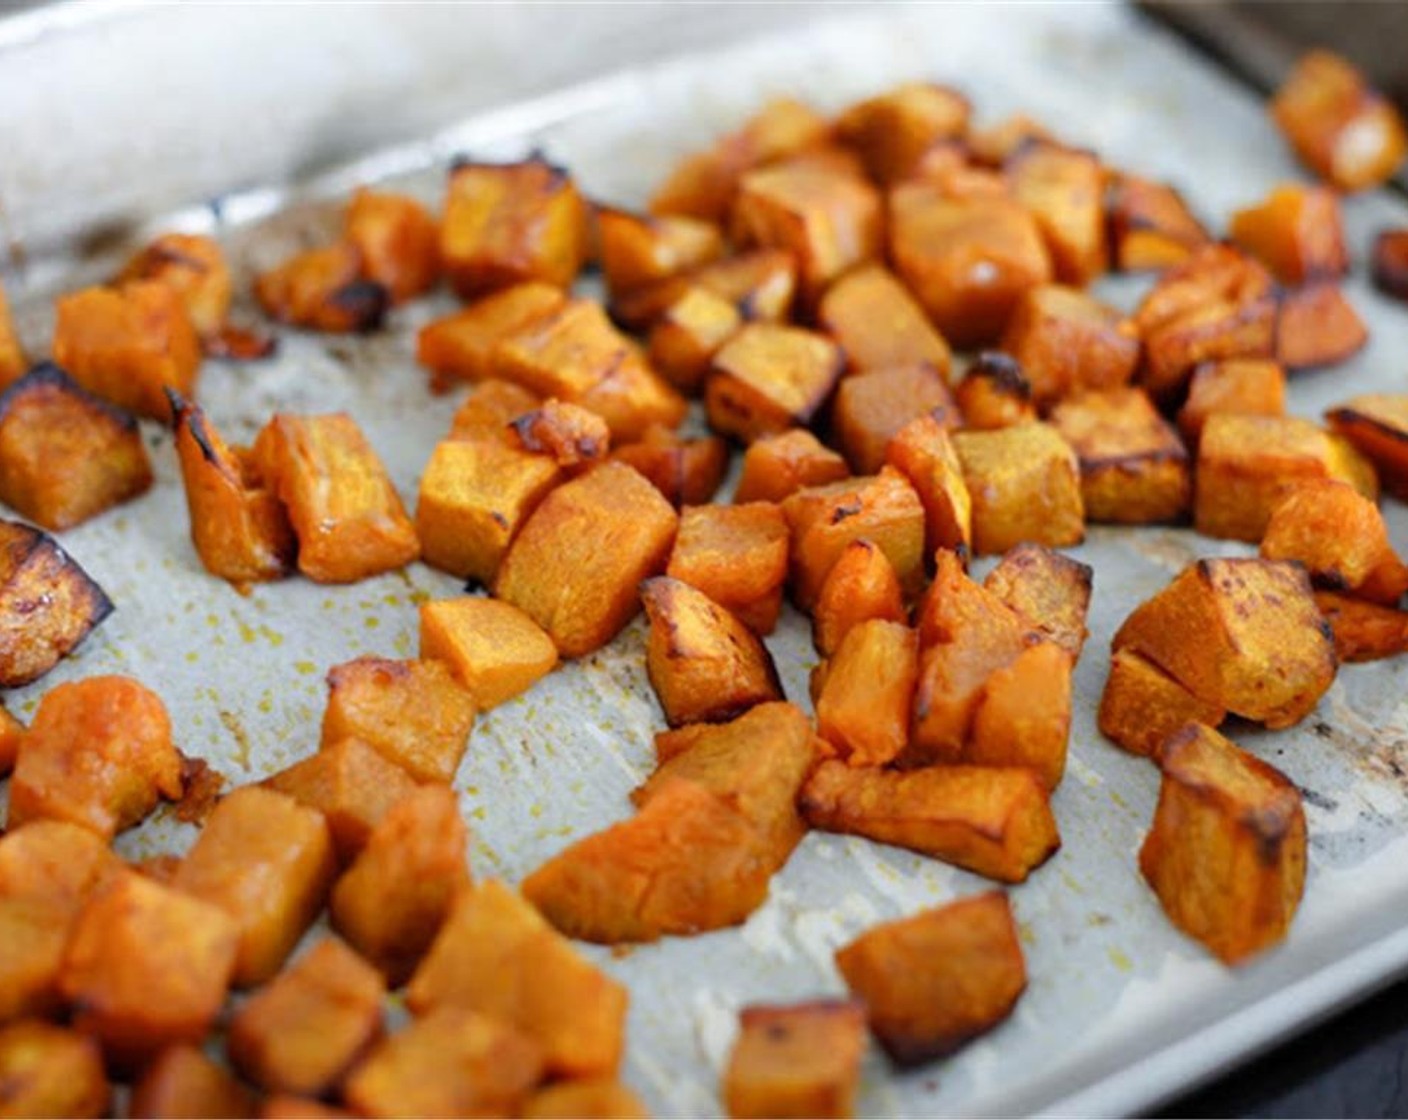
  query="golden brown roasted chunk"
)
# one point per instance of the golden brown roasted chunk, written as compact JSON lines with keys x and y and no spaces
{"x":775,"y":467}
{"x":510,"y":223}
{"x":1049,"y":590}
{"x":1133,"y":466}
{"x":862,"y":707}
{"x":490,"y":407}
{"x":1248,"y":464}
{"x":994,"y":821}
{"x":1343,"y":130}
{"x":575,"y":565}
{"x":1377,"y":425}
{"x":1065,"y":340}
{"x":496,"y":955}
{"x":1388,"y":267}
{"x":571,"y":436}
{"x":1226,"y":852}
{"x":1142,"y":705}
{"x":893,"y":130}
{"x":396,"y":237}
{"x":129,"y":345}
{"x":1023,"y":715}
{"x":1317,"y":326}
{"x":736,"y":555}
{"x":878,"y":324}
{"x":1340,"y":537}
{"x":689,"y":333}
{"x":46,"y":1070}
{"x":239,"y":528}
{"x":1240,"y":634}
{"x":769,"y":378}
{"x":195,"y":269}
{"x":304,"y":1029}
{"x":495,"y":649}
{"x":638,"y":250}
{"x":348,"y":518}
{"x":862,"y":585}
{"x":12,"y":360}
{"x":184,"y":1082}
{"x":870,"y":408}
{"x":1025,"y":486}
{"x":1363,"y":631}
{"x":995,"y":392}
{"x":686,"y":471}
{"x":923,"y":452}
{"x":66,"y":455}
{"x":460,"y":347}
{"x":992,"y":144}
{"x":759,"y":285}
{"x":323,"y":290}
{"x":1064,"y":189}
{"x":1247,"y":387}
{"x":801,"y":1060}
{"x":585,"y":1098}
{"x":1296,"y":233}
{"x":1151,"y":226}
{"x":932,"y":982}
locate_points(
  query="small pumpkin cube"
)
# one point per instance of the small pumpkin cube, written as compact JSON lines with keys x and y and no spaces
{"x":1064,"y":189}
{"x":571,"y":436}
{"x":497,"y":955}
{"x":737,"y":556}
{"x":759,"y":284}
{"x":147,"y":966}
{"x":861,"y":586}
{"x":1388,"y":268}
{"x":871,"y":408}
{"x":1065,"y":340}
{"x":994,"y":144}
{"x":128,"y":345}
{"x":689,"y":333}
{"x":1047,"y":589}
{"x":1317,"y":326}
{"x":66,"y":455}
{"x":585,"y":1098}
{"x":1025,"y":485}
{"x":348,"y":518}
{"x":183,"y":1082}
{"x":414,"y":712}
{"x":495,"y":650}
{"x":397,"y":238}
{"x":13,"y":363}
{"x":1296,"y":233}
{"x":195,"y":268}
{"x":893,"y":130}
{"x":1215,"y":331}
{"x":1142,"y":705}
{"x":993,"y":821}
{"x":1023,"y":715}
{"x":686,"y":471}
{"x":393,"y":899}
{"x":923,"y":452}
{"x":323,"y":290}
{"x":775,"y":467}
{"x":268,"y":862}
{"x":637,"y":250}
{"x":489,"y":409}
{"x":1245,"y":386}
{"x":48,"y":1070}
{"x":1241,"y":634}
{"x":967,"y":260}
{"x":995,"y":393}
{"x":633,"y":399}
{"x":878,"y":324}
{"x":1248,"y":464}
{"x":863,"y":708}
{"x":1226,"y":852}
{"x":460,"y":347}
{"x":1376,"y":424}
{"x":769,"y":378}
{"x":932,"y":982}
{"x":507,"y":224}
{"x":1133,"y":467}
{"x":1363,"y":631}
{"x":1151,"y":227}
{"x":801,"y":1060}
{"x":1216,"y":273}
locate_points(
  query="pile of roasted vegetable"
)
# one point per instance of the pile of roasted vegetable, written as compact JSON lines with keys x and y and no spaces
{"x":805,"y":279}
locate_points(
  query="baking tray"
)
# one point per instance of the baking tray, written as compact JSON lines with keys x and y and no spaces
{"x":1122,"y":1011}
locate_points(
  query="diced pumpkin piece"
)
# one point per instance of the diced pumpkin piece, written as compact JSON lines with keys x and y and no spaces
{"x":323,"y":290}
{"x":489,"y":409}
{"x":1023,"y":716}
{"x":1362,"y":631}
{"x":146,"y":967}
{"x":686,"y":471}
{"x":637,"y":250}
{"x":932,"y":982}
{"x":47,"y":1070}
{"x":1025,"y":485}
{"x":460,"y":347}
{"x":993,"y":821}
{"x":1215,"y":273}
{"x":66,"y":455}
{"x":861,"y":586}
{"x":34,"y":931}
{"x":495,"y":649}
{"x":863,"y":707}
{"x":1064,"y":189}
{"x":396,"y":237}
{"x":769,"y":378}
{"x":304,"y":1029}
{"x":995,"y":392}
{"x":1317,"y":326}
{"x":569,"y":435}
{"x":878,"y":324}
{"x":759,"y":284}
{"x":195,"y":268}
{"x":1241,"y":634}
{"x":633,"y":399}
{"x":575,"y":565}
{"x":183,"y":1082}
{"x":870,"y":409}
{"x":1243,"y":386}
{"x":1065,"y":340}
{"x":801,"y":1060}
{"x":689,"y":333}
{"x":893,"y":130}
{"x":1296,"y":233}
{"x":348,"y":518}
{"x":392,"y":901}
{"x":452,"y":1062}
{"x":1377,"y":426}
{"x":737,"y":556}
{"x":507,"y":224}
{"x":1142,"y":705}
{"x":923,"y":452}
{"x":497,"y":955}
{"x":1214,"y":331}
{"x":1388,"y":268}
{"x":1151,"y":226}
{"x":268,"y":862}
{"x":586,"y":1098}
{"x":1051,"y":592}
{"x":776,"y":467}
{"x":992,"y":145}
{"x":1248,"y":464}
{"x":1226,"y":852}
{"x":13,"y":362}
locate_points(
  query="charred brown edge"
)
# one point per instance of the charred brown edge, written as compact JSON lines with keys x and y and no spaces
{"x":366,"y":301}
{"x":37,"y":541}
{"x":833,"y":1005}
{"x":558,"y":173}
{"x":1084,"y":573}
{"x":1351,"y":416}
{"x":193,"y":417}
{"x":1389,"y":262}
{"x":1004,"y":371}
{"x":160,"y":253}
{"x":50,"y":374}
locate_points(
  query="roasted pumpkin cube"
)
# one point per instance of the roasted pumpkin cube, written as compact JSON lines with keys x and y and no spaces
{"x":638,"y":250}
{"x":195,"y":268}
{"x":689,"y":333}
{"x":304,"y":1029}
{"x":1064,"y":189}
{"x":571,"y":436}
{"x":1213,"y":331}
{"x":147,"y":966}
{"x":1050,"y":591}
{"x":1296,"y":233}
{"x":633,"y":399}
{"x":1244,"y":386}
{"x":1142,"y":705}
{"x":994,"y":393}
{"x":878,"y":324}
{"x":323,"y":290}
{"x":923,"y":452}
{"x":1376,"y":424}
{"x":98,"y":753}
{"x":1133,"y":467}
{"x":460,"y":347}
{"x":934,"y":981}
{"x":128,"y":345}
{"x":1226,"y":852}
{"x":183,"y":1082}
{"x":801,"y":1060}
{"x":268,"y":862}
{"x":489,"y":409}
{"x":496,"y":955}
{"x":352,"y":785}
{"x":1388,"y":268}
{"x":1363,"y":631}
{"x":507,"y":224}
{"x":1248,"y":464}
{"x":575,"y":565}
{"x":686,"y":471}
{"x":452,"y":1062}
{"x":737,"y":556}
{"x":1025,"y":486}
{"x":348,"y":518}
{"x":769,"y":378}
{"x":602,"y":1098}
{"x":12,"y":360}
{"x":397,"y":238}
{"x":48,"y":1070}
{"x":394,"y":898}
{"x":1065,"y":340}
{"x":861,"y":586}
{"x":870,"y":409}
{"x":702,"y":185}
{"x":863,"y":707}
{"x":66,"y":455}
{"x":704,"y":664}
{"x":495,"y":649}
{"x":1151,"y":227}
{"x":1216,"y":273}
{"x":1342,"y":129}
{"x":1241,"y":634}
{"x":35,"y":931}
{"x":893,"y":131}
{"x":414,"y":712}
{"x":992,"y":145}
{"x":759,"y":284}
{"x":1023,"y":715}
{"x":776,"y":467}
{"x":823,"y":520}
{"x":1317,"y":326}
{"x":993,"y":821}
{"x":967,"y":260}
